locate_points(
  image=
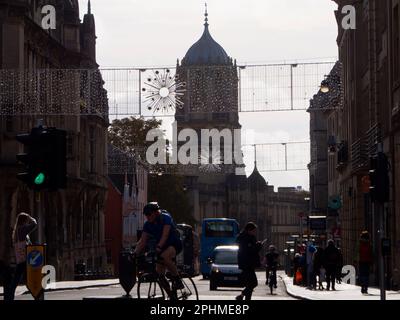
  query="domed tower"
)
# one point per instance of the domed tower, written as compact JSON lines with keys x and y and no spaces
{"x":210,"y":102}
{"x":211,"y":97}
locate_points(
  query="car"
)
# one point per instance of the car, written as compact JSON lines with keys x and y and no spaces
{"x":225,"y":271}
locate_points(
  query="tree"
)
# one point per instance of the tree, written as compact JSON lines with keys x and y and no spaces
{"x":129,"y":135}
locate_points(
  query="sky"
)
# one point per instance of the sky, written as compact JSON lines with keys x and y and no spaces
{"x":136,"y":33}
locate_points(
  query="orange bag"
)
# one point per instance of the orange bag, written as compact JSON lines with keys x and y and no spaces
{"x":298,"y":277}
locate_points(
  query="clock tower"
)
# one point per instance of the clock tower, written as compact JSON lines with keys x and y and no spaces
{"x":210,"y":102}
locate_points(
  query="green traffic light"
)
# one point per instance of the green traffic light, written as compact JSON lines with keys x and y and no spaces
{"x":39,"y":178}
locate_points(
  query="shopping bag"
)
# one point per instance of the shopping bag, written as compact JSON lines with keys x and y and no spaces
{"x":298,"y":277}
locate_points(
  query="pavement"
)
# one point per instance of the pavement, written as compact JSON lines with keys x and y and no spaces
{"x":343,"y":291}
{"x":69,"y":285}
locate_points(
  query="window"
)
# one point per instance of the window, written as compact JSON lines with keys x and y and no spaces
{"x":226,"y":257}
{"x":219,"y":229}
{"x":70,"y":145}
{"x":9,"y":124}
{"x":92,"y":153}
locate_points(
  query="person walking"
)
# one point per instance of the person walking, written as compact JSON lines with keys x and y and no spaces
{"x":24,"y":225}
{"x":248,"y":258}
{"x":318,"y":268}
{"x":296,"y":267}
{"x":365,"y":261}
{"x":310,"y":265}
{"x":331,"y":260}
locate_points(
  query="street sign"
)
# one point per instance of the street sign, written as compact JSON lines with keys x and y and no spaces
{"x":127,"y":271}
{"x":35,"y":261}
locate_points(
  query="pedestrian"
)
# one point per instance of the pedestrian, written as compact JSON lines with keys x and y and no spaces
{"x":365,"y":261}
{"x":248,"y":258}
{"x":303,"y":269}
{"x":296,"y":267}
{"x":310,"y":265}
{"x":271,"y":264}
{"x":319,"y":271}
{"x":24,"y":225}
{"x":331,"y":260}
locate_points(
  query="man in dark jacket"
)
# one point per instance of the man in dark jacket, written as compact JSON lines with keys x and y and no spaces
{"x":248,"y":259}
{"x":331,"y":261}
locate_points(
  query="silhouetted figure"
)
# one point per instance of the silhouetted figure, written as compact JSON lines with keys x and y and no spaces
{"x":365,"y":261}
{"x":331,"y":261}
{"x":248,"y":258}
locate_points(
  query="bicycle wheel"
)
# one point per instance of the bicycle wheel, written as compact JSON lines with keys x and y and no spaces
{"x":150,"y":288}
{"x":189,"y":292}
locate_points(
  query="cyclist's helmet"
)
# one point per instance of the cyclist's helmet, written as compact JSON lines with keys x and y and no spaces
{"x":150,"y":207}
{"x":271,"y":247}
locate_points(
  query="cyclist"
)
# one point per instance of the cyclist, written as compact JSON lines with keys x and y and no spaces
{"x":271,"y":259}
{"x":161,"y":226}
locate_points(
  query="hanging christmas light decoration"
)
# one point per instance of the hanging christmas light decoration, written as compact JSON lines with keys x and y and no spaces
{"x":163,"y":91}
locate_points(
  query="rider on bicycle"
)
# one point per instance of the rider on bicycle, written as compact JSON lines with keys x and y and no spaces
{"x":161,"y":226}
{"x":271,"y":259}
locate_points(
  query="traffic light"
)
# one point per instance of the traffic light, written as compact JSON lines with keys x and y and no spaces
{"x":379,"y":177}
{"x":44,"y":158}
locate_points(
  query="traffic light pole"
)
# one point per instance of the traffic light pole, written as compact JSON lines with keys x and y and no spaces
{"x":39,"y":216}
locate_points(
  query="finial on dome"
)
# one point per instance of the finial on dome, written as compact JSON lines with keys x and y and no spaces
{"x":206,"y":16}
{"x":89,"y":8}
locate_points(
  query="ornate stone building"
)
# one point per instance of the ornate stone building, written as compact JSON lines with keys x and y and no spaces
{"x":53,"y":75}
{"x":369,"y":115}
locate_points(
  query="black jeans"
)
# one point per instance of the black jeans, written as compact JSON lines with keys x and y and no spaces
{"x":19,"y":273}
{"x":330,"y":276}
{"x":250,"y":278}
{"x":364,"y":275}
{"x":6,"y":278}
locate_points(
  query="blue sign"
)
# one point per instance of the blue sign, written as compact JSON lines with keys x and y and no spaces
{"x":35,"y":259}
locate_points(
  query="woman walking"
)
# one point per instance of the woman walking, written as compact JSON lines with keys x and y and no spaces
{"x":365,"y":261}
{"x":248,"y":258}
{"x":24,"y":225}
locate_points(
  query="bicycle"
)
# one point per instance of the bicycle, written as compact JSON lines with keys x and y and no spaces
{"x":153,"y":286}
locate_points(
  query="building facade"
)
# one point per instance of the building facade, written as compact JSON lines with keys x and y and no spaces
{"x":127,"y":195}
{"x":53,"y":75}
{"x":370,"y":59}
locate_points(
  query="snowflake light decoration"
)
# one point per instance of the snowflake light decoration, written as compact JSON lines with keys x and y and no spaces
{"x":163,"y":92}
{"x":210,"y":167}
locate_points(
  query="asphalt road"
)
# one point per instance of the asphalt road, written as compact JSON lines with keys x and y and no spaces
{"x":115,"y":291}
